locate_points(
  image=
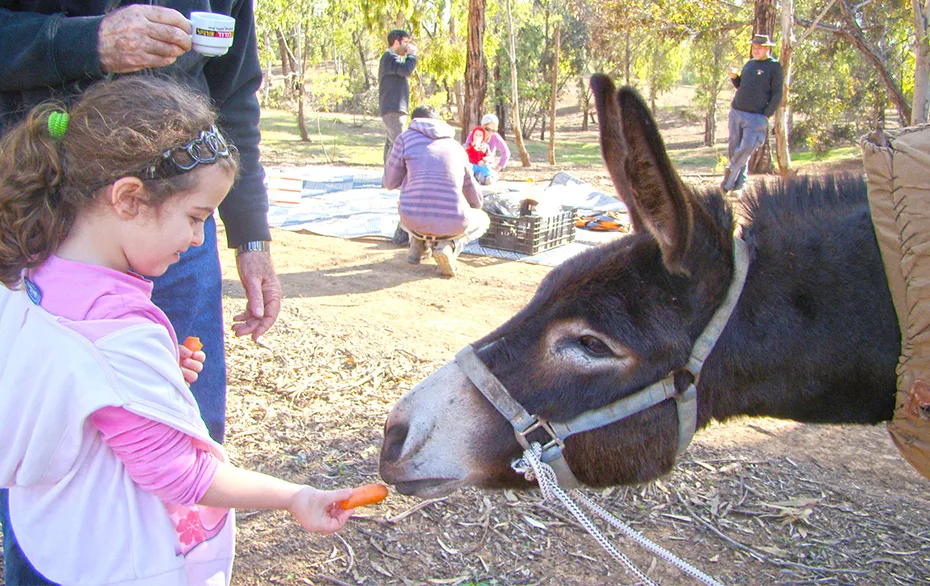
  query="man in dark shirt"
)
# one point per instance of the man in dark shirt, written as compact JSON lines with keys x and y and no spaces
{"x":759,"y":88}
{"x":397,"y":63}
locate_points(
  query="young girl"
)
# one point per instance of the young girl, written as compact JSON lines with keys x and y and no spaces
{"x":482,"y":145}
{"x":477,"y":145}
{"x":112,"y":476}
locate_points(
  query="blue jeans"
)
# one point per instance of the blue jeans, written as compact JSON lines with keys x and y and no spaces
{"x":191,"y":295}
{"x":747,"y":133}
{"x":17,"y":571}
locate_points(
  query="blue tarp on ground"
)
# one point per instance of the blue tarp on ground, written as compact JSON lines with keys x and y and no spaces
{"x":348,"y":202}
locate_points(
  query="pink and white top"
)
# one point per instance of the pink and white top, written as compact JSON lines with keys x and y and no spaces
{"x":103,"y":440}
{"x":159,"y":458}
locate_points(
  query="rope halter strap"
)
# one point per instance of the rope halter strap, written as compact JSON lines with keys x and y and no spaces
{"x":686,"y":402}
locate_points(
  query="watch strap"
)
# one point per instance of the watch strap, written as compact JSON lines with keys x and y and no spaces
{"x":253,"y":246}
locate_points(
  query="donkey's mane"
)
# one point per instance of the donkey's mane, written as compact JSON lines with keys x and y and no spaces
{"x":777,"y":214}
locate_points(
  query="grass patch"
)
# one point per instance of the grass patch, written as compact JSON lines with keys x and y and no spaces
{"x":346,"y":139}
{"x":334,"y":138}
{"x":836,"y":155}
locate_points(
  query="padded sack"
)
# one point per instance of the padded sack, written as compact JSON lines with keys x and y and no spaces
{"x":897,"y":164}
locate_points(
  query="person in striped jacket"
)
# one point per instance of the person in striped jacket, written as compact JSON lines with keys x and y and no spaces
{"x":440,"y":201}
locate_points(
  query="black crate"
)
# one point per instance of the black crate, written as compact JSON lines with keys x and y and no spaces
{"x":529,"y":234}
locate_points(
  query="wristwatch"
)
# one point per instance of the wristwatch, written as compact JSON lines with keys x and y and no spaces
{"x":254,"y":246}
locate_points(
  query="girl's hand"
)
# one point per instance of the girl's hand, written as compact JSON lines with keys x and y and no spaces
{"x":319,"y":510}
{"x":191,"y":363}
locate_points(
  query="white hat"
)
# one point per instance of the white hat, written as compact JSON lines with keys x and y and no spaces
{"x":490,"y":119}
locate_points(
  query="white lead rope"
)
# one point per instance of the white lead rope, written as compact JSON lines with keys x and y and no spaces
{"x":534,"y":469}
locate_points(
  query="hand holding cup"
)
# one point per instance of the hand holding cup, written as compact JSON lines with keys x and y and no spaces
{"x":140,"y":37}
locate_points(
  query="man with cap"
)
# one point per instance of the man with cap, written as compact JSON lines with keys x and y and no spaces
{"x":759,"y":87}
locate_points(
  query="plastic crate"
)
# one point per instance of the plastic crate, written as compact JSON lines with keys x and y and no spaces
{"x":529,"y":234}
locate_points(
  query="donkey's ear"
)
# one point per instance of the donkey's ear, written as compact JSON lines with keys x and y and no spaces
{"x":642,"y":172}
{"x":613,"y":144}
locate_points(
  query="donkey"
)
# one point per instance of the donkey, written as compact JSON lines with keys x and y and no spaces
{"x":814,"y":336}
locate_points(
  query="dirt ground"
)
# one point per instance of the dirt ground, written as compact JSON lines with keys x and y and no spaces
{"x":755,"y":501}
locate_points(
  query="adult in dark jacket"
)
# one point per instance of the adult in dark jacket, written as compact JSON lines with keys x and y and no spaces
{"x":397,"y":63}
{"x":759,"y":87}
{"x":56,"y":49}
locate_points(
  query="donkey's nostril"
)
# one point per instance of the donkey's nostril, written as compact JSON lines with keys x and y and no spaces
{"x":394,"y":438}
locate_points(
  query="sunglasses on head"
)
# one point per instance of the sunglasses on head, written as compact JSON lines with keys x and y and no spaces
{"x":203,"y":150}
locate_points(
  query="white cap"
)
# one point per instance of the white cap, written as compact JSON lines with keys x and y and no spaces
{"x":490,"y":119}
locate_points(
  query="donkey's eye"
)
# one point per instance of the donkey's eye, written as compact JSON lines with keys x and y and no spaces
{"x":594,"y":346}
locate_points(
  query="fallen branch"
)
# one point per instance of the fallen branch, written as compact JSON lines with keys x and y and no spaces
{"x":413,"y":510}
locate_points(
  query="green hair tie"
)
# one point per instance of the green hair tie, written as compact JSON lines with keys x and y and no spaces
{"x":58,"y":124}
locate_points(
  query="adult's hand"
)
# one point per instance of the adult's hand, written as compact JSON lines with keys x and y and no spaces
{"x":142,"y":36}
{"x":262,"y":292}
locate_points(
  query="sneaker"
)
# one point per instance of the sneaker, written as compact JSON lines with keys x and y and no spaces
{"x":445,"y":259}
{"x":400,"y":238}
{"x":418,"y":251}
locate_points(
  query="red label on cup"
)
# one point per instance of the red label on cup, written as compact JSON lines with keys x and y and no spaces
{"x":215,"y":34}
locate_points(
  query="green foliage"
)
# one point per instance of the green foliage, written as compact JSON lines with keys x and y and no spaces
{"x":651,"y":45}
{"x":328,"y":90}
{"x":829,"y":107}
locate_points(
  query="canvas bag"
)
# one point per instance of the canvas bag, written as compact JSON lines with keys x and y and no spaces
{"x":897,"y":165}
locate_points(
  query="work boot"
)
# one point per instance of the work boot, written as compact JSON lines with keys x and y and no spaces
{"x":418,"y":251}
{"x":445,"y":258}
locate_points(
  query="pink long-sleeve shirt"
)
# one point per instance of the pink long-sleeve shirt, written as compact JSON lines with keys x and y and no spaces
{"x":159,"y":458}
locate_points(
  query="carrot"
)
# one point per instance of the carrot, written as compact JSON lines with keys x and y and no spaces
{"x":365,"y":495}
{"x":192,"y":343}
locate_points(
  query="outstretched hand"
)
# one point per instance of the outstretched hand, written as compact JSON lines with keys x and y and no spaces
{"x":140,"y":37}
{"x":319,"y":510}
{"x":262,"y":291}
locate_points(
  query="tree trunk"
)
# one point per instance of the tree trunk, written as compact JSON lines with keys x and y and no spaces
{"x":627,"y":50}
{"x":357,"y":39}
{"x":782,"y":153}
{"x":476,"y":71}
{"x":499,"y":98}
{"x":458,"y":97}
{"x":555,"y":92}
{"x":286,"y":62}
{"x":710,"y":126}
{"x":301,"y":123}
{"x":921,"y":64}
{"x":763,"y":24}
{"x":515,"y":107}
{"x":585,"y":102}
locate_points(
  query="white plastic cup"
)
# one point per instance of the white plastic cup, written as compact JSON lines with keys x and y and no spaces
{"x":212,"y":34}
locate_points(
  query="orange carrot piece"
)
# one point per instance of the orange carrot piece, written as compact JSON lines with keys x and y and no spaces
{"x":365,"y":495}
{"x":192,"y":343}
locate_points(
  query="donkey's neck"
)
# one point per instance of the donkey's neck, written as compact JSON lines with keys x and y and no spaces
{"x":813,"y":338}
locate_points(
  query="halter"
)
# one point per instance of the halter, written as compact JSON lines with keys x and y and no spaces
{"x":686,"y":402}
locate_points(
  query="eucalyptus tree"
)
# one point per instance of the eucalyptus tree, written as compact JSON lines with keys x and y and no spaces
{"x":476,"y":69}
{"x":883,"y":34}
{"x":921,"y":101}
